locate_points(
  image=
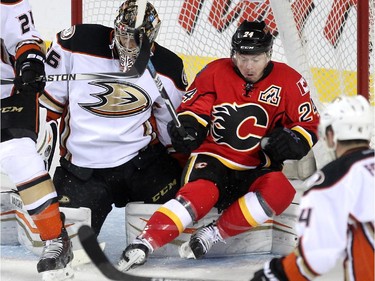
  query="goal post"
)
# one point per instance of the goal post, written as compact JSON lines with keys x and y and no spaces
{"x":330,"y":42}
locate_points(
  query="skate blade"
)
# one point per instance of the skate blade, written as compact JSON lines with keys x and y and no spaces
{"x":185,"y":251}
{"x":58,"y":274}
{"x":135,"y":257}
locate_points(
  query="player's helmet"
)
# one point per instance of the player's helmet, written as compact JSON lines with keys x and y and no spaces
{"x":126,"y":33}
{"x":351,"y":118}
{"x":252,"y":38}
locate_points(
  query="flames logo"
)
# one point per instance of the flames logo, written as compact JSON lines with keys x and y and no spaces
{"x":119,"y":99}
{"x":239,"y":126}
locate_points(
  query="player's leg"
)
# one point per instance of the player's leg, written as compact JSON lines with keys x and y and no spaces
{"x":82,"y":187}
{"x":25,"y":167}
{"x":156,"y":177}
{"x":270,"y":193}
{"x":194,"y":200}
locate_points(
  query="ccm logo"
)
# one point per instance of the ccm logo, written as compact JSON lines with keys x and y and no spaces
{"x":164,"y":191}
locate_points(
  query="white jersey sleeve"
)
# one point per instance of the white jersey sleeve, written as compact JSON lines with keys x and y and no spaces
{"x":17,"y":24}
{"x":342,"y":195}
{"x":17,"y":27}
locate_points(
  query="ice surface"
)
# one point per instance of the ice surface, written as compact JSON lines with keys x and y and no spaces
{"x":18,"y":264}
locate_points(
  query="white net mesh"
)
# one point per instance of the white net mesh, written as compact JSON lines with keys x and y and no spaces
{"x":318,"y":38}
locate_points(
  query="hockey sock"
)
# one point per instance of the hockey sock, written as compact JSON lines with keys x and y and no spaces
{"x":48,"y":222}
{"x":171,"y":219}
{"x":242,"y":215}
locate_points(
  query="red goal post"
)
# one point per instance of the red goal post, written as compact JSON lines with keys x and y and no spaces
{"x":329,"y":41}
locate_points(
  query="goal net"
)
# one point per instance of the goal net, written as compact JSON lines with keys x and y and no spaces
{"x":317,"y":38}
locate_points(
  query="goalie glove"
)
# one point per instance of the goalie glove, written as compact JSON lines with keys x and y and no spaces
{"x":29,"y":69}
{"x":272,"y":271}
{"x":193,"y":128}
{"x":282,"y":144}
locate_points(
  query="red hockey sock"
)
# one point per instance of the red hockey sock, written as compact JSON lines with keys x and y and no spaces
{"x":160,"y":230}
{"x":49,"y":222}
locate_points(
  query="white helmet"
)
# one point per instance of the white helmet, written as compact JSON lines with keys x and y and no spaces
{"x":351,"y":118}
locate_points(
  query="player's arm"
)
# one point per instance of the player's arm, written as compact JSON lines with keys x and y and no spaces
{"x":56,"y":93}
{"x":297,"y":132}
{"x":30,"y":59}
{"x":23,"y":42}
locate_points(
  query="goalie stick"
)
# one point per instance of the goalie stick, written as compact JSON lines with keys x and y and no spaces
{"x":168,"y":102}
{"x":90,"y":243}
{"x":135,"y":71}
{"x":76,"y":77}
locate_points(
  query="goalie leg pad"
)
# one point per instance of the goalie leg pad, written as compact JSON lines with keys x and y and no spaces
{"x":92,"y":193}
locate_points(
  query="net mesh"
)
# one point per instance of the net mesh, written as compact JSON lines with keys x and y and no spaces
{"x":324,"y":48}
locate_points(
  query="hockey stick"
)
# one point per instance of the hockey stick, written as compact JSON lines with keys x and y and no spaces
{"x":135,"y":71}
{"x":76,"y":77}
{"x":168,"y":102}
{"x":90,"y":243}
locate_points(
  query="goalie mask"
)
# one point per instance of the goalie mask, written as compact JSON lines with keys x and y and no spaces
{"x":252,"y":38}
{"x":128,"y":36}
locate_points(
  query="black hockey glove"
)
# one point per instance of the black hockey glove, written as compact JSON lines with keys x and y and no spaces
{"x":29,"y":68}
{"x":282,"y":144}
{"x":193,"y":128}
{"x":272,"y":271}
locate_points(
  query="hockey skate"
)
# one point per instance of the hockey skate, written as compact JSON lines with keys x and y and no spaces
{"x":135,"y":254}
{"x":200,"y":242}
{"x":55,"y":262}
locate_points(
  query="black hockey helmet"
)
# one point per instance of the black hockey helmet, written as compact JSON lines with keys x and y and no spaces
{"x":252,"y":38}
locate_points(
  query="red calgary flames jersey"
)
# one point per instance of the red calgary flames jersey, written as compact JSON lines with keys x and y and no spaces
{"x":242,"y":113}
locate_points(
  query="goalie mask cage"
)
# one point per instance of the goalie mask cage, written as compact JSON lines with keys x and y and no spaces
{"x":328,"y":41}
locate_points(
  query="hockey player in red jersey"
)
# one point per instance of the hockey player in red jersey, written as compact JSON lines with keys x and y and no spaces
{"x":231,"y":106}
{"x":22,"y":57}
{"x":114,"y":137}
{"x":336,"y":221}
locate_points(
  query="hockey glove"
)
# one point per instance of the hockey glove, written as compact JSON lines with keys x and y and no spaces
{"x":272,"y":271}
{"x":193,"y":128}
{"x":29,"y":68}
{"x":283,"y":143}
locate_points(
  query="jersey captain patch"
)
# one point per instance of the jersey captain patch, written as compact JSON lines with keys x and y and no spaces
{"x":118,"y":99}
{"x":271,"y":95}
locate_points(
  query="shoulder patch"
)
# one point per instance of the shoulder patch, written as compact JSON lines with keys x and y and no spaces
{"x":302,"y":86}
{"x":90,"y":39}
{"x":68,"y":33}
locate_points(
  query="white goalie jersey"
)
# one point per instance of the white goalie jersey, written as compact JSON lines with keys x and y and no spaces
{"x":104,"y":123}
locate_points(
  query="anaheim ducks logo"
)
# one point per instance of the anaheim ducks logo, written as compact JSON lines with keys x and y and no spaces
{"x":240,"y":127}
{"x":119,"y":99}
